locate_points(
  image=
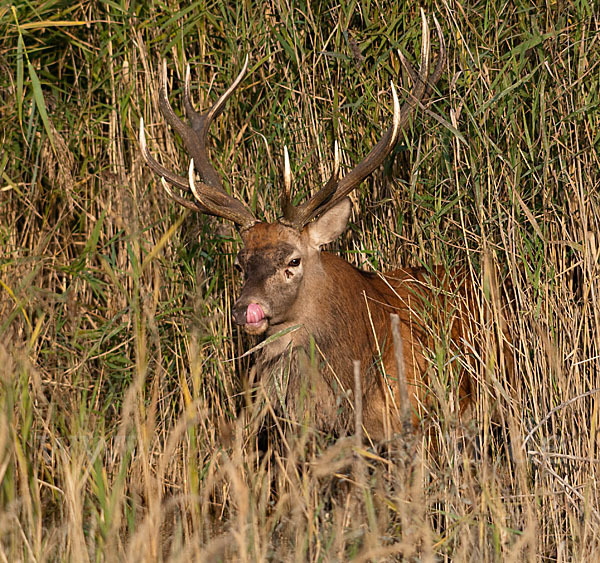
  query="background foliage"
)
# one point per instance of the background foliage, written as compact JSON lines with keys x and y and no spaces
{"x":122,"y":417}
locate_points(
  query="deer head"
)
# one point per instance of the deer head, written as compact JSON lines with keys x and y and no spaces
{"x":282,"y":261}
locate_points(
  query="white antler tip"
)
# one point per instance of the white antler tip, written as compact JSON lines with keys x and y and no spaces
{"x":164,"y":77}
{"x":191,"y":173}
{"x":186,"y":80}
{"x":166,"y":186}
{"x":396,"y":118}
{"x":287,"y":171}
{"x":425,"y":46}
{"x":395,"y":100}
{"x":287,"y":181}
{"x":192,"y":181}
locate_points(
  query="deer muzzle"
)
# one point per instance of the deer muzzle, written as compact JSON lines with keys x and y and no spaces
{"x":251,"y":317}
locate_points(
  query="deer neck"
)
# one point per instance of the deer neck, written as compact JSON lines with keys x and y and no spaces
{"x":335,"y":301}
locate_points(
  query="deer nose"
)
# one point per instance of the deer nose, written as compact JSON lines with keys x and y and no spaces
{"x":239,"y":313}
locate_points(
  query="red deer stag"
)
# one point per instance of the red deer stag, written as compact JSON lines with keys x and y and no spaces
{"x":317,"y":300}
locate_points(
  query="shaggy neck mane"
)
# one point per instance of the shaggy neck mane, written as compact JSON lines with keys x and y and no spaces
{"x":336,"y":320}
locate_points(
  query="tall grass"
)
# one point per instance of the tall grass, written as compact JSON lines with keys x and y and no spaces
{"x":124,"y":413}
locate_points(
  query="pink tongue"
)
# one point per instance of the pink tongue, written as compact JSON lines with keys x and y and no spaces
{"x":254,"y":313}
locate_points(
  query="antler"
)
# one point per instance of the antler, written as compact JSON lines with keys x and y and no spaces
{"x":337,"y":188}
{"x":211,"y":197}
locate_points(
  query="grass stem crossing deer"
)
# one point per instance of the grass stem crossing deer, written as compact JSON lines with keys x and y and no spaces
{"x":322,"y":301}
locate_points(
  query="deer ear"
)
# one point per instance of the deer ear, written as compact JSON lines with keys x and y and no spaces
{"x":330,"y":225}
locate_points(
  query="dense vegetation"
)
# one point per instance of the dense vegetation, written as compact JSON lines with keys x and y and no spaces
{"x":126,"y":429}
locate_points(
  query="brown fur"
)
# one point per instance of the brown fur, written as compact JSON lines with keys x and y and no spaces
{"x":347,"y":313}
{"x":288,"y":281}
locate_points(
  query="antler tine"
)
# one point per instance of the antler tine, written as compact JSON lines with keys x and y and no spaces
{"x":201,"y":123}
{"x":211,"y":197}
{"x":334,"y":191}
{"x":401,"y":117}
{"x":186,"y":133}
{"x":439,"y":67}
{"x":219,"y":105}
{"x":295,"y":216}
{"x":167,"y":176}
{"x":182,"y":201}
{"x":158,"y":168}
{"x":286,"y":205}
{"x":220,"y":202}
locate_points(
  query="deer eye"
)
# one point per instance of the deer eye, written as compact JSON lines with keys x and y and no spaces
{"x":237,"y":266}
{"x":294,"y":262}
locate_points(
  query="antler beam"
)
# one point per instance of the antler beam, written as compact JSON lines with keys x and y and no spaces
{"x":337,"y":188}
